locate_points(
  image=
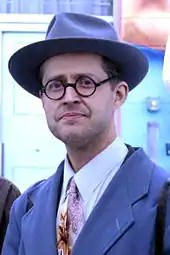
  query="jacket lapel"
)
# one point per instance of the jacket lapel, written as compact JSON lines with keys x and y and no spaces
{"x":113,"y":214}
{"x":106,"y":224}
{"x":39,"y":224}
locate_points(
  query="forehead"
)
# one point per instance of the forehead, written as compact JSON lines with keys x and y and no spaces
{"x":68,"y":63}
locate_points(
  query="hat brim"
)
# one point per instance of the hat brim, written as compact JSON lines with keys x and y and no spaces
{"x":25,"y":63}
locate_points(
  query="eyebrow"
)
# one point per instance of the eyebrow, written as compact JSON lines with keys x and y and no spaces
{"x":74,"y":76}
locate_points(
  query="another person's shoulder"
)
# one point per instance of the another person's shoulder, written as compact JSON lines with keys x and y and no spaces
{"x":6,"y":184}
{"x":8,"y":192}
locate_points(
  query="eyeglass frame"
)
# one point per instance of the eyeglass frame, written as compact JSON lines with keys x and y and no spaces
{"x":73,"y":85}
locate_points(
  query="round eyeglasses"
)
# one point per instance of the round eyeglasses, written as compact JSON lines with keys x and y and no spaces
{"x":84,"y":86}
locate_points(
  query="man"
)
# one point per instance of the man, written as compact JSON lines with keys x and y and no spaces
{"x":103,"y":197}
{"x":8,"y":193}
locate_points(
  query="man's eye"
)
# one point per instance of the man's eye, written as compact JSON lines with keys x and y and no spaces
{"x":55,"y":85}
{"x":86,"y":82}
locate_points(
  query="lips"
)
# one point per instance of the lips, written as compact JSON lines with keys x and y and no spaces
{"x":72,"y":115}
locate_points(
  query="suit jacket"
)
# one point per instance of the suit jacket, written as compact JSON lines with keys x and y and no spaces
{"x":122,"y":223}
{"x":8,"y":193}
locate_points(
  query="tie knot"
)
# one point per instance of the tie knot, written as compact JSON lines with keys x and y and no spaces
{"x":72,"y":188}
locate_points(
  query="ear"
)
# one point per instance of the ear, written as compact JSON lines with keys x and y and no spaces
{"x":120,"y":94}
{"x":40,"y":94}
{"x":41,"y":97}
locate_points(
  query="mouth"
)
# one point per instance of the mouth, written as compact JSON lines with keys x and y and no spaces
{"x":72,"y":115}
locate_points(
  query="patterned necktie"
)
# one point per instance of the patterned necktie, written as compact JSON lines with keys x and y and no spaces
{"x":75,"y":212}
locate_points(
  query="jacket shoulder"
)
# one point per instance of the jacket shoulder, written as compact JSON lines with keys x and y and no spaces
{"x":21,"y":204}
{"x":159,"y":177}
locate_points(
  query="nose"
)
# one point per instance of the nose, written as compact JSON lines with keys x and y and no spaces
{"x":71,"y":96}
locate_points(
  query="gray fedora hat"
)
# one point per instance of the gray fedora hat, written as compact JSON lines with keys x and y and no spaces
{"x":75,"y":32}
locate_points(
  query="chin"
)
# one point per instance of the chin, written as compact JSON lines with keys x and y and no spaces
{"x":64,"y":132}
{"x":73,"y":138}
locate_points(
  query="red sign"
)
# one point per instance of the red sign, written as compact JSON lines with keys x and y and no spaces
{"x":146,"y":22}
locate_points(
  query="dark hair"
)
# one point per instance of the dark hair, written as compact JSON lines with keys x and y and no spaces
{"x":111,"y":69}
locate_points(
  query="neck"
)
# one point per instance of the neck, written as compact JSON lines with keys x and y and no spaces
{"x":80,"y":156}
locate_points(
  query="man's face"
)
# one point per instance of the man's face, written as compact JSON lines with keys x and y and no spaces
{"x":74,"y":119}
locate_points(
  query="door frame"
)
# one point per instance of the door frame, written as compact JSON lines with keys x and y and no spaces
{"x":16,"y":23}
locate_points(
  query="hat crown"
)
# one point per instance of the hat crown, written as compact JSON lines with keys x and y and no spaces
{"x":77,"y":33}
{"x":77,"y":25}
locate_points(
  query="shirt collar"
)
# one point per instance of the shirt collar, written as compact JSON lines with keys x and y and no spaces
{"x":94,"y":172}
{"x":68,"y":174}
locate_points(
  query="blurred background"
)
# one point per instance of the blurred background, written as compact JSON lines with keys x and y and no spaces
{"x":28,"y":151}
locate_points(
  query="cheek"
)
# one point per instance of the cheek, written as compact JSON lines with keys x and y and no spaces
{"x":103,"y":109}
{"x":100,"y":104}
{"x":107,"y":101}
{"x":49,"y":110}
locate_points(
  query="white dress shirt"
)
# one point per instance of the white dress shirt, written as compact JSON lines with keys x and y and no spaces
{"x":93,"y":178}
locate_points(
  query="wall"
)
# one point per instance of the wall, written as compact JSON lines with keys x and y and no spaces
{"x":135,"y":115}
